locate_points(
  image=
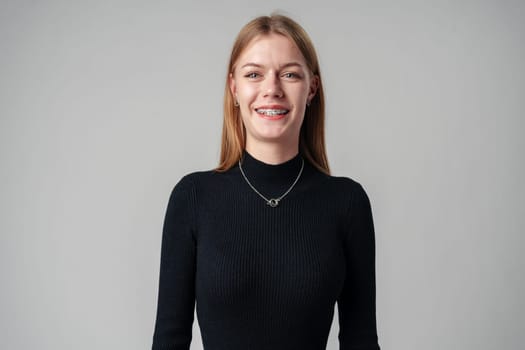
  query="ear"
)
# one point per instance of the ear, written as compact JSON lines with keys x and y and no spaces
{"x":314,"y":85}
{"x":233,"y":87}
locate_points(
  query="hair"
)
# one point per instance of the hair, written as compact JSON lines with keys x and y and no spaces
{"x":311,"y":138}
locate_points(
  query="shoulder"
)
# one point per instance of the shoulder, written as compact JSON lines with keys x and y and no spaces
{"x":198,"y":179}
{"x":194,"y":181}
{"x":346,"y":185}
{"x":349,"y":192}
{"x":183,"y":195}
{"x":190,"y":179}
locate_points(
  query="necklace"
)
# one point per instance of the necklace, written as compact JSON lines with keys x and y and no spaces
{"x":273,"y":202}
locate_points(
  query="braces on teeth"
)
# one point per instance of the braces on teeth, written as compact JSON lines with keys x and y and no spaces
{"x":272,"y":111}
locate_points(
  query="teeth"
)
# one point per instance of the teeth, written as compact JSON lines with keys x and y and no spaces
{"x":271,"y":111}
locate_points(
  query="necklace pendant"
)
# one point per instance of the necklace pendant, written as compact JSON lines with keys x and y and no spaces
{"x":273,"y":202}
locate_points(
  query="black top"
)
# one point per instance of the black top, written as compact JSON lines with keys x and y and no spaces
{"x":267,"y":277}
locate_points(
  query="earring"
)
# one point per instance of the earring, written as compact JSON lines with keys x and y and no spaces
{"x":308,"y":103}
{"x":236,"y":103}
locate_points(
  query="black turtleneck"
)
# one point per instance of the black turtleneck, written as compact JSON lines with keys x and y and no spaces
{"x":267,"y":277}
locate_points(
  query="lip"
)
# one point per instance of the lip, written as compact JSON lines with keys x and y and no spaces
{"x":272,"y":106}
{"x":274,"y":117}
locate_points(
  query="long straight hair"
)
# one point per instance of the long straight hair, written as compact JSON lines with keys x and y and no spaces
{"x":311,"y":138}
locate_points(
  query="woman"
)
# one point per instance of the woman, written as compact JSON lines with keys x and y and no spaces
{"x":268,"y":241}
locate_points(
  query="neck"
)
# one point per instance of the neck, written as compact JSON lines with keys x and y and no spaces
{"x":272,"y":180}
{"x":272,"y":153}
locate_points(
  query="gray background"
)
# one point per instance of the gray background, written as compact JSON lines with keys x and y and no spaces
{"x":104,"y":105}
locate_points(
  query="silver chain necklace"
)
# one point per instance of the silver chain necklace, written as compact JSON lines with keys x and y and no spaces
{"x":273,"y":202}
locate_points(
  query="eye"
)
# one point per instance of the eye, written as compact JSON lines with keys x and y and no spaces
{"x":291,"y":75}
{"x":252,"y":75}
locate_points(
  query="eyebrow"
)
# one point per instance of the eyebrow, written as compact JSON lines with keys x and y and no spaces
{"x":289,"y":64}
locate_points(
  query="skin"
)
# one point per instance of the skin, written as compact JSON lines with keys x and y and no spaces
{"x":272,"y":73}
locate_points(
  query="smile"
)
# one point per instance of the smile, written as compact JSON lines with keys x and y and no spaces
{"x":272,"y":112}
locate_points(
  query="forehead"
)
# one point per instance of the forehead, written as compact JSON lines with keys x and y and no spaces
{"x":271,"y":49}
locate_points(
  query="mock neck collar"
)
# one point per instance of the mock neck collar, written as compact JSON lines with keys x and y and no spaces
{"x":260,"y":172}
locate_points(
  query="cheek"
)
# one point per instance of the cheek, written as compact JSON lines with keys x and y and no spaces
{"x":246,"y":91}
{"x":299,"y":93}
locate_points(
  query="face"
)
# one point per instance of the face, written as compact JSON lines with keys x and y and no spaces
{"x":272,"y":85}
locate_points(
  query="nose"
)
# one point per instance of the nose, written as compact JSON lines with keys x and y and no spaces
{"x":272,"y":87}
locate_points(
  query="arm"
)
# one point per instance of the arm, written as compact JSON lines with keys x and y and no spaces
{"x":356,"y":304}
{"x":176,"y":297}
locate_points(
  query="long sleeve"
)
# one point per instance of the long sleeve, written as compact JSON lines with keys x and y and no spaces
{"x":356,"y":304}
{"x":176,"y":295}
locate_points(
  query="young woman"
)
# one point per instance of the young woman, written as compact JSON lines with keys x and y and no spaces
{"x":269,"y":241}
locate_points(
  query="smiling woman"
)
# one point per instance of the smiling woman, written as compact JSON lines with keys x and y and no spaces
{"x":266,"y":243}
{"x":274,"y":53}
{"x":272,"y":86}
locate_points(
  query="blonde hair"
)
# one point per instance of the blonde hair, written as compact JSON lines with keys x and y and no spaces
{"x":311,"y":138}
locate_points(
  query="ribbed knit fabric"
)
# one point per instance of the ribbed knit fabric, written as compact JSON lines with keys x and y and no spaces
{"x":262,"y":277}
